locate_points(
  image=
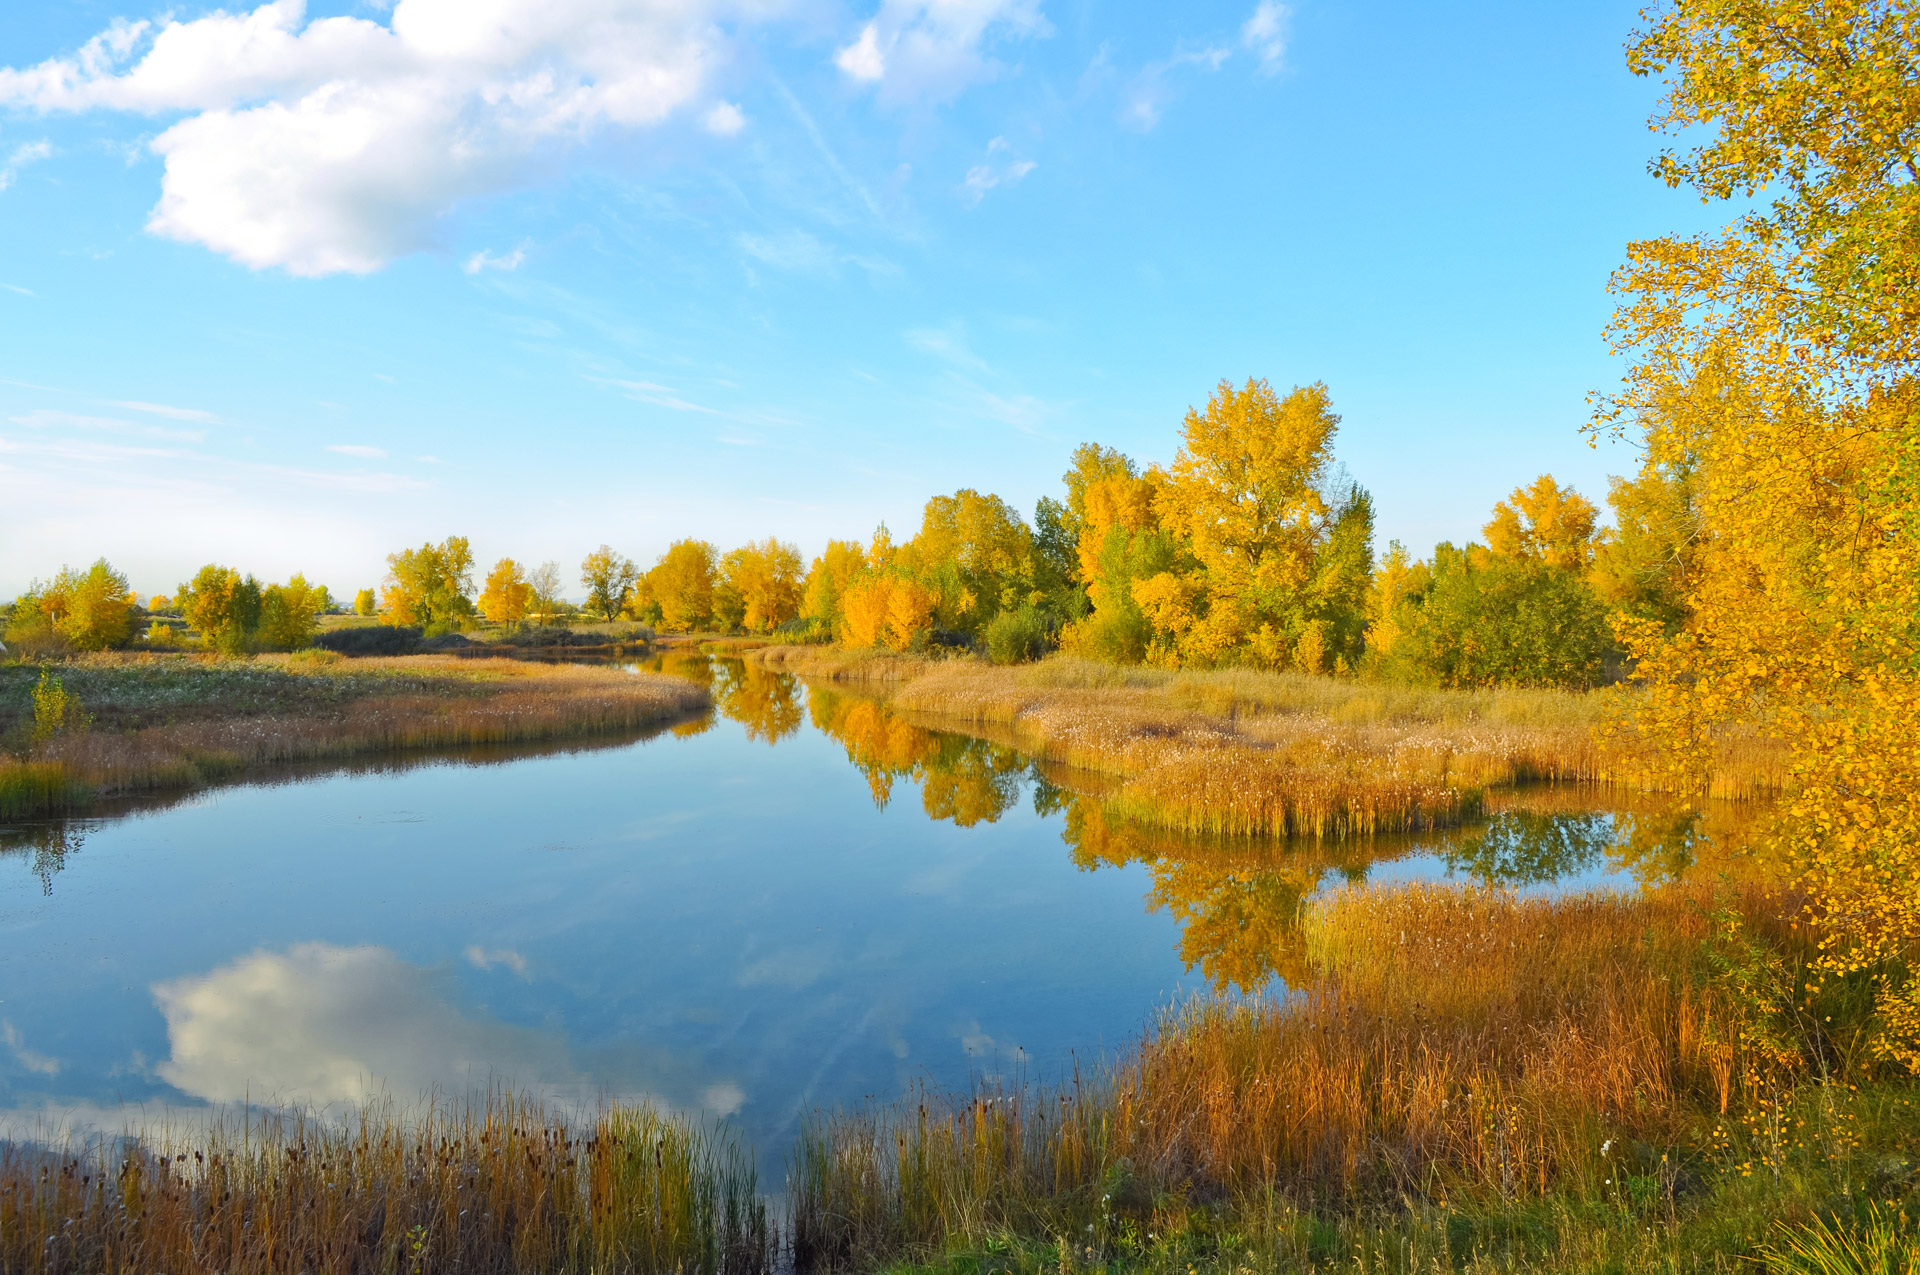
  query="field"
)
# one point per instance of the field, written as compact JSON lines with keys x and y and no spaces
{"x":161,"y":722}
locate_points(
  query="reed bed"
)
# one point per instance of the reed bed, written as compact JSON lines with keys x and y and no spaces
{"x":1245,"y":753}
{"x":1449,"y":1044}
{"x":499,"y":1185}
{"x":172,"y":722}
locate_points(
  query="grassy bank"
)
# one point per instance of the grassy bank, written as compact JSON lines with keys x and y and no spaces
{"x":1463,"y":1081}
{"x":1239,"y":752}
{"x":161,"y":722}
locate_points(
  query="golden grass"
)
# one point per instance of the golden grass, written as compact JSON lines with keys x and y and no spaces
{"x":1446,"y":1041}
{"x":177,"y":722}
{"x":1245,"y":753}
{"x":500,"y":1186}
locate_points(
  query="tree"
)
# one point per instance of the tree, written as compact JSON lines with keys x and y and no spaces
{"x":975,"y":553}
{"x":828,"y":578}
{"x":431,"y":585}
{"x":1772,"y":364}
{"x":92,"y":609}
{"x":288,"y":614}
{"x":681,"y":585}
{"x":1545,"y":523}
{"x":886,"y":610}
{"x":546,"y":601}
{"x":508,"y":595}
{"x":766,"y":578}
{"x":223,"y":607}
{"x":607,"y":577}
{"x":1270,"y":542}
{"x":363,"y":603}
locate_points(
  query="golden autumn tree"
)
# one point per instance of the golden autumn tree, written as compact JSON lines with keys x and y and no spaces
{"x":508,"y":594}
{"x":1772,"y":364}
{"x":1272,"y":555}
{"x":431,"y":585}
{"x":681,"y":584}
{"x":975,"y":554}
{"x":1544,"y":522}
{"x":765,"y":577}
{"x":827,"y":579}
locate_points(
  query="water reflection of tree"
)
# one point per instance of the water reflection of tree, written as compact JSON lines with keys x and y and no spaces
{"x":765,"y":702}
{"x":1520,"y":847}
{"x":966,"y":780}
{"x":1238,"y":903}
{"x":45,"y":847}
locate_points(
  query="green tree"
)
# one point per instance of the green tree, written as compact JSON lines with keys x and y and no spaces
{"x":289,"y":613}
{"x":431,"y":585}
{"x":607,"y":577}
{"x":223,"y":606}
{"x":1474,"y":618}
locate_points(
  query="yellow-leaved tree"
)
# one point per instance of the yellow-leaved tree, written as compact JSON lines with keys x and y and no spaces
{"x":1772,"y":368}
{"x":827,"y":580}
{"x":508,"y":595}
{"x":765,"y":578}
{"x":681,"y":585}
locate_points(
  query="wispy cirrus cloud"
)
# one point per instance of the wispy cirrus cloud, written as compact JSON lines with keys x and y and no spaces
{"x":163,"y":409}
{"x":360,"y":451}
{"x":48,"y":418}
{"x":1004,"y":171}
{"x":29,"y":153}
{"x":1265,"y":33}
{"x":929,"y":50}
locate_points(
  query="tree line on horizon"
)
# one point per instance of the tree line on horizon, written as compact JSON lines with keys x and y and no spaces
{"x":1252,"y":548}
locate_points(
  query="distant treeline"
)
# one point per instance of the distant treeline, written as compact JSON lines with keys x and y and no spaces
{"x":1251,"y":548}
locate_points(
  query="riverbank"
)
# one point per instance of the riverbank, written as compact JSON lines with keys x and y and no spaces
{"x":154,"y":723}
{"x":1240,"y":752}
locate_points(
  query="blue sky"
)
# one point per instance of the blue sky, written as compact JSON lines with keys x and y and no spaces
{"x":291,"y":287}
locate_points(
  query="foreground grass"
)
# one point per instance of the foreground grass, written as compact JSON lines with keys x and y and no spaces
{"x":1243,"y":753}
{"x":162,"y":722}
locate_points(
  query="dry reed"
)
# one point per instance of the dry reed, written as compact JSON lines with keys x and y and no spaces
{"x":502,"y":1185}
{"x":1246,"y":753}
{"x":1448,"y":1041}
{"x":193,"y":722}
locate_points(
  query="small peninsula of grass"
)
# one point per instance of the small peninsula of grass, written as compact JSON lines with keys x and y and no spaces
{"x":1242,"y":752}
{"x":150,"y":723}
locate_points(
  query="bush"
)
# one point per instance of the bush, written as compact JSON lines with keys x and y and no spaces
{"x":371,"y":639}
{"x":1015,"y":637}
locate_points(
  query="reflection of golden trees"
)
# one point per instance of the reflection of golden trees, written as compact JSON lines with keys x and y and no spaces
{"x":966,"y":780}
{"x":765,"y":702}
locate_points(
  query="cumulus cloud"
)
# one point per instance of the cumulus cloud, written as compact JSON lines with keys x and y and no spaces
{"x":982,"y":178}
{"x":1265,"y":33}
{"x":335,"y":145}
{"x":929,"y":50}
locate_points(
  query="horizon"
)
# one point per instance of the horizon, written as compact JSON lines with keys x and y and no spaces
{"x":782,"y":271}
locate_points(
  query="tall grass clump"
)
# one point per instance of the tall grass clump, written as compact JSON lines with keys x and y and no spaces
{"x":1446,"y":1045}
{"x":31,"y":788}
{"x":499,"y":1185}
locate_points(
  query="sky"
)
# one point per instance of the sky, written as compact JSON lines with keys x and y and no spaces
{"x":293,"y":286}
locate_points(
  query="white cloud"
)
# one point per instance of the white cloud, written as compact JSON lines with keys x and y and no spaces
{"x":320,"y":1024}
{"x":1147,"y":96}
{"x":1266,"y":34}
{"x":47,"y":418}
{"x":982,"y":178}
{"x":506,"y":957}
{"x":337,"y":144}
{"x":31,"y":153}
{"x":14,"y":287}
{"x":948,"y":343}
{"x":483,"y":260}
{"x":162,"y":409}
{"x":929,"y":50}
{"x":360,"y":450}
{"x":724,"y":120}
{"x":803,"y":253}
{"x":41,"y":1063}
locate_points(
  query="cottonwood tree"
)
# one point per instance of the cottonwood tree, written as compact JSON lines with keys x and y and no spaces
{"x":681,"y":584}
{"x":222,"y":606}
{"x":507,"y":595}
{"x":607,"y":578}
{"x":431,"y":585}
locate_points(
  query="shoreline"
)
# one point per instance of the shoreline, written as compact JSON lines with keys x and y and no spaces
{"x":176,"y":723}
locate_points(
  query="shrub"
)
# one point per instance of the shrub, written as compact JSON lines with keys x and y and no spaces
{"x":371,"y":639}
{"x":1015,"y":637}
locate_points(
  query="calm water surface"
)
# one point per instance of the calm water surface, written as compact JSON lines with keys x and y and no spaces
{"x":800,"y":901}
